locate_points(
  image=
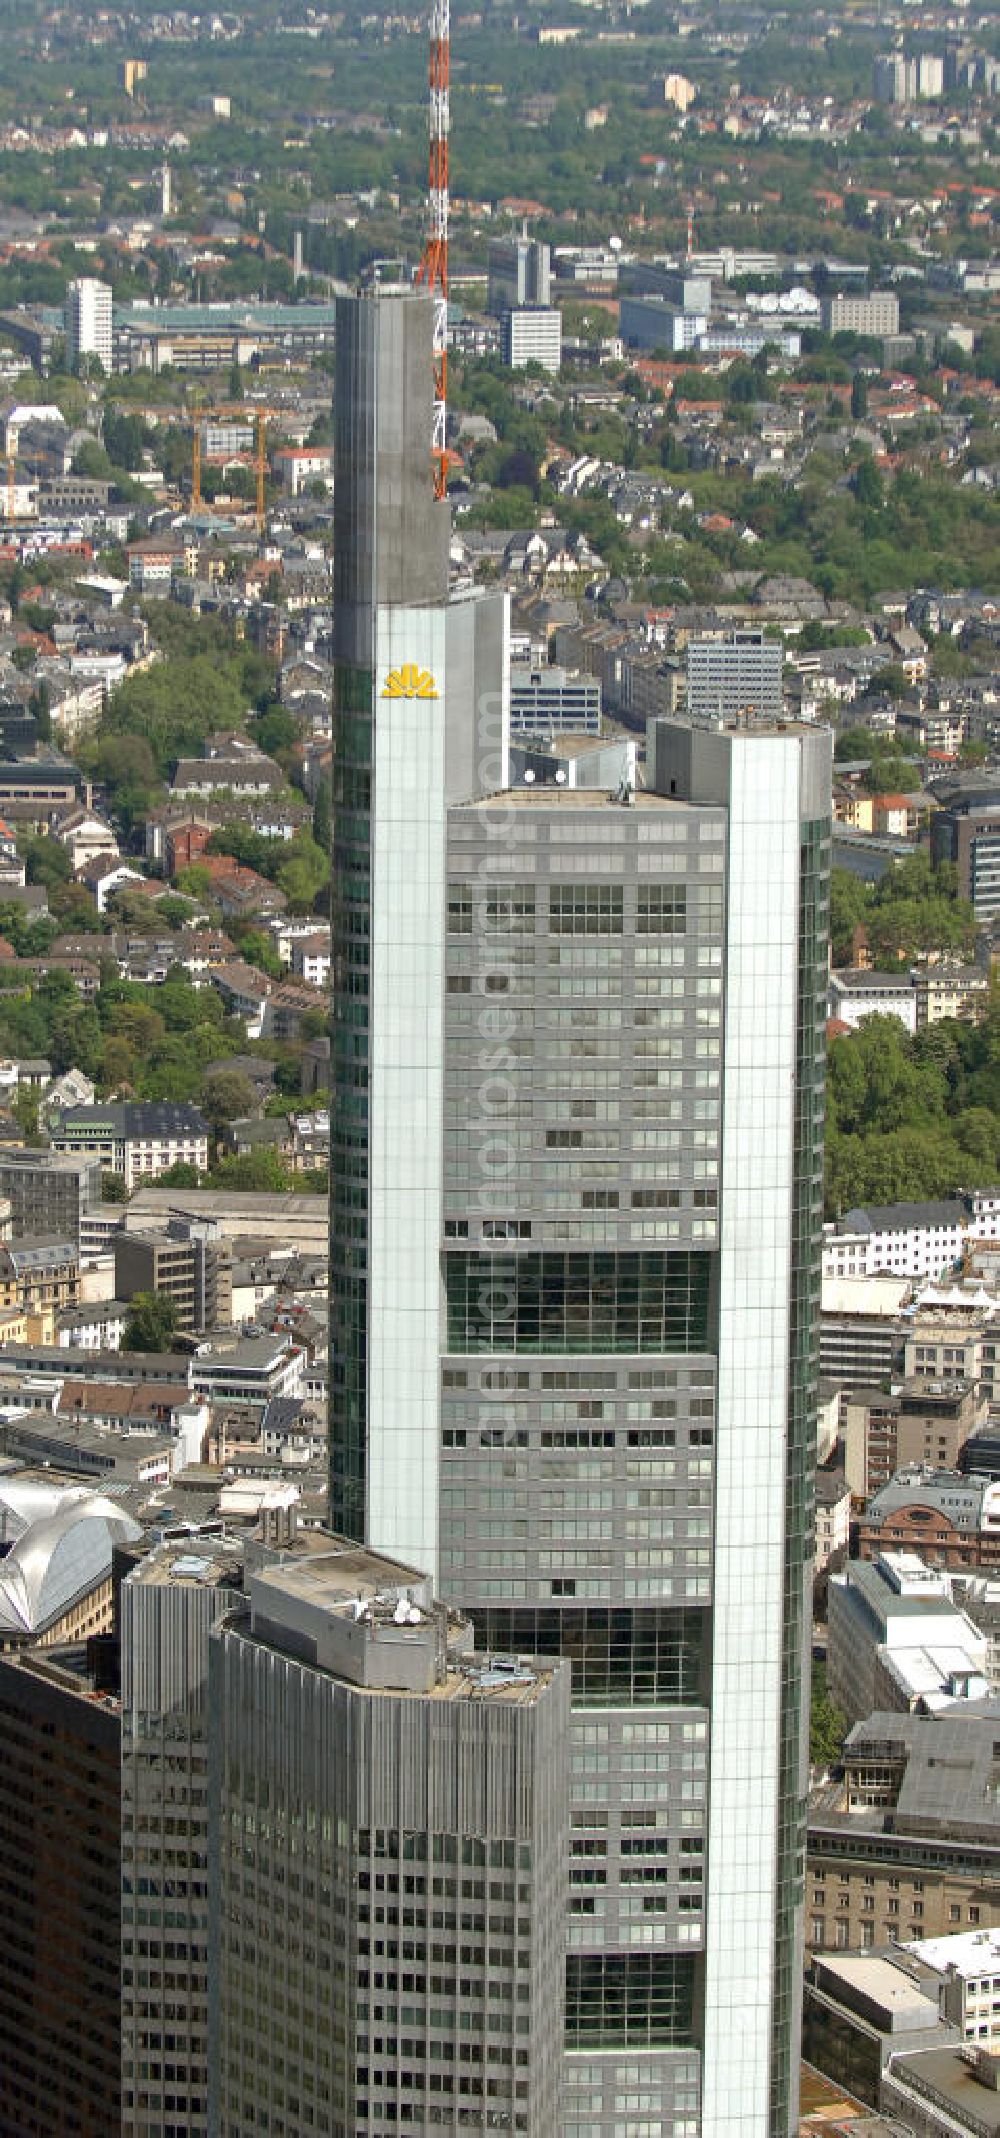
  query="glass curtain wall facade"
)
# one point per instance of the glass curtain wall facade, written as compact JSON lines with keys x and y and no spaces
{"x":616,"y":1094}
{"x":633,"y":1093}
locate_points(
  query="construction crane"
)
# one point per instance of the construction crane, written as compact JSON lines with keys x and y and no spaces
{"x":433,"y":268}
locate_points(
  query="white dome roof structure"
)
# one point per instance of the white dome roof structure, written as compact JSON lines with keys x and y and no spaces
{"x":65,"y":1539}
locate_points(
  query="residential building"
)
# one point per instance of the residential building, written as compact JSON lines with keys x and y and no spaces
{"x":519,"y":271}
{"x":965,"y":830}
{"x":86,"y":838}
{"x":135,"y":1140}
{"x":833,"y":1517}
{"x":327,"y":1664}
{"x":546,"y":700}
{"x":532,"y":334}
{"x":40,"y":1275}
{"x":897,"y":1641}
{"x":736,"y":677}
{"x":950,"y":991}
{"x":908,"y":1843}
{"x":857,"y":994}
{"x":597,"y":1243}
{"x":950,"y":1518}
{"x":60,"y":1838}
{"x":49,"y":1192}
{"x":88,"y":324}
{"x":190,"y":1263}
{"x":922,"y":1240}
{"x":875,"y":315}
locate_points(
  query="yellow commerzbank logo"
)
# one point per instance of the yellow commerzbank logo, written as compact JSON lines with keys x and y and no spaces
{"x":410,"y":682}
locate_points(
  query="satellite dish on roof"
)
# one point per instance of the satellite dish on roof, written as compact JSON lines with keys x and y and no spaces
{"x":614,"y":244}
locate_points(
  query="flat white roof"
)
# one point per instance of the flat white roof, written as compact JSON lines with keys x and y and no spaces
{"x":969,"y":1952}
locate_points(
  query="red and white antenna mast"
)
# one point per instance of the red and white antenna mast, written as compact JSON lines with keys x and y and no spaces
{"x":434,"y":264}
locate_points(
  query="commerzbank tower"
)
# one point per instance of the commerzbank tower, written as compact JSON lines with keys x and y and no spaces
{"x":576,"y":1145}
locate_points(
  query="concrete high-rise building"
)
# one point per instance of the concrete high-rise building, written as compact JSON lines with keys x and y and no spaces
{"x":877,"y":314}
{"x":88,"y":322}
{"x":60,"y":1823}
{"x":576,"y":1221}
{"x":519,"y":271}
{"x":50,"y":1192}
{"x":389,"y":1855}
{"x":532,"y":334}
{"x":735,"y":676}
{"x":190,"y":1262}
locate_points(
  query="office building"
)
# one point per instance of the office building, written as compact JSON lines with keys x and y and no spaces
{"x":663,"y":307}
{"x":60,"y":1818}
{"x":907,"y":1845}
{"x":618,"y":1466}
{"x":898,"y":1642}
{"x":49,"y":1192}
{"x":734,"y":678}
{"x":413,"y":1796}
{"x":532,"y":334}
{"x":167,"y":1606}
{"x":519,"y":272}
{"x":654,"y":323}
{"x":88,"y":324}
{"x":875,"y":315}
{"x":862,"y":2008}
{"x":189,"y":1262}
{"x":546,"y":700}
{"x":951,"y":1519}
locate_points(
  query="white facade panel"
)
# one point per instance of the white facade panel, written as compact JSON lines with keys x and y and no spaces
{"x":755,"y":1276}
{"x":407,"y":1064}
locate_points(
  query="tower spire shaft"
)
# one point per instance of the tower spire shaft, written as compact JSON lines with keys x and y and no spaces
{"x":433,"y":268}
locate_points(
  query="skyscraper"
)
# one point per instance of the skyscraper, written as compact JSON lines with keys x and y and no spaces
{"x":389,"y":1825}
{"x":88,"y":322}
{"x":422,"y":698}
{"x":597,"y":1393}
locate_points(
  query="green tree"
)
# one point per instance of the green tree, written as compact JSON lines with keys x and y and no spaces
{"x":827,"y":1726}
{"x":259,"y":1173}
{"x":227,"y":1096}
{"x":46,"y":862}
{"x":152,"y":1322}
{"x":859,"y":395}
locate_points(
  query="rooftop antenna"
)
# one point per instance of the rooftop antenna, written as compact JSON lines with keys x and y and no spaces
{"x":433,"y":267}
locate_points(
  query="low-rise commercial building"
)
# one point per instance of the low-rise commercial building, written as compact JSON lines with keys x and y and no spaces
{"x":897,"y":1641}
{"x":907,"y":1844}
{"x":952,"y":1520}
